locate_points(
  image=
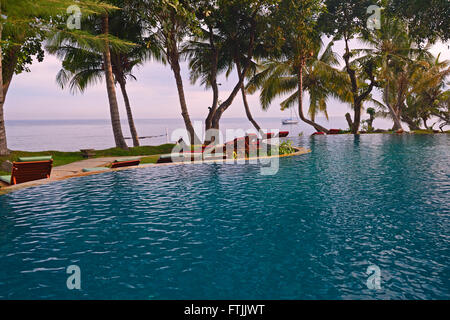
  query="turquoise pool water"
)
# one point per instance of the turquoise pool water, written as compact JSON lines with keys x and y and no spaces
{"x":221,"y":231}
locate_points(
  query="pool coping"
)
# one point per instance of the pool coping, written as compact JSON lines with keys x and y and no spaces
{"x":8,"y":189}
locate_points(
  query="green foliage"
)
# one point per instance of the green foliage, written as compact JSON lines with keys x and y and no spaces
{"x":286,"y":148}
{"x":83,"y":65}
{"x":411,"y":79}
{"x":427,"y":20}
{"x":321,"y":79}
{"x":27,"y":23}
{"x":345,"y":18}
{"x":137,"y":151}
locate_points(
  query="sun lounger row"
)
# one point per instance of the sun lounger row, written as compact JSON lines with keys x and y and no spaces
{"x":28,"y":169}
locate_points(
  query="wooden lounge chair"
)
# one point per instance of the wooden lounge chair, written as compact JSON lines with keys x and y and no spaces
{"x":28,"y":171}
{"x":125,"y":163}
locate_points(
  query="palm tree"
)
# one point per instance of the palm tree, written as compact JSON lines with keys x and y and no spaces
{"x":211,"y":55}
{"x":372,"y":114}
{"x":320,"y":78}
{"x":82,"y":68}
{"x":442,"y":110}
{"x":104,"y":45}
{"x":169,"y":23}
{"x":427,"y":94}
{"x":110,"y":87}
{"x":399,"y":61}
{"x":22,"y":24}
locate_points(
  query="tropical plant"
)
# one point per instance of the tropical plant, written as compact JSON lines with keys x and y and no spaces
{"x":168,"y":24}
{"x":296,"y":24}
{"x":23,"y":26}
{"x":230,"y":38}
{"x":211,"y":55}
{"x":427,"y":97}
{"x":82,"y":67}
{"x":321,"y":79}
{"x":345,"y":20}
{"x":427,"y":20}
{"x":286,"y":148}
{"x":401,"y":68}
{"x":372,"y":113}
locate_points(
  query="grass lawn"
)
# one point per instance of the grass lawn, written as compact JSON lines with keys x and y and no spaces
{"x":62,"y":158}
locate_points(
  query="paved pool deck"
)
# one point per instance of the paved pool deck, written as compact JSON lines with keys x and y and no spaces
{"x":75,"y":169}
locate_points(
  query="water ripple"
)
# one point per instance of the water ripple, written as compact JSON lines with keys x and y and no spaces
{"x":223,"y":231}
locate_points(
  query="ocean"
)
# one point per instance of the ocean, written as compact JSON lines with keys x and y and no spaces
{"x":73,"y":135}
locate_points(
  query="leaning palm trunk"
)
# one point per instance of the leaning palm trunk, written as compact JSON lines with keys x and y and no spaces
{"x":184,"y":110}
{"x":113,"y":105}
{"x":131,"y":124}
{"x":244,"y":99}
{"x":410,"y":122}
{"x":316,"y":126}
{"x":3,"y":144}
{"x":248,"y":112}
{"x":395,"y":114}
{"x":174,"y":61}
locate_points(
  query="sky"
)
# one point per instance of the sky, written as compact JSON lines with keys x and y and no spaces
{"x":36,"y":96}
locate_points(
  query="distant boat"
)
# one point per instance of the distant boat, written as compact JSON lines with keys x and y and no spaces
{"x":291,"y":120}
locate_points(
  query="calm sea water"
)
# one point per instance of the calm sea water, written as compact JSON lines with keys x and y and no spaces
{"x":223,"y":231}
{"x":73,"y":135}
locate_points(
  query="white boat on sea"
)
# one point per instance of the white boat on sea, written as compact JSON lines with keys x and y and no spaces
{"x":291,"y":120}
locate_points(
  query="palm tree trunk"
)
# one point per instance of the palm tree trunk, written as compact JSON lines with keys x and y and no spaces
{"x":425,"y":119}
{"x":3,"y":144}
{"x":300,"y":103}
{"x":348,"y":117}
{"x":394,"y":114}
{"x":131,"y":124}
{"x":184,"y":110}
{"x":174,"y":61}
{"x":244,"y":99}
{"x":113,"y":105}
{"x":357,"y":116}
{"x":411,"y":124}
{"x":214,"y":84}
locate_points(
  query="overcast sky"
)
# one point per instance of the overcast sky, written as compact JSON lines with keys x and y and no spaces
{"x":35,"y":95}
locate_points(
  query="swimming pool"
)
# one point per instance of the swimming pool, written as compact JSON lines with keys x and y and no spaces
{"x":223,"y":231}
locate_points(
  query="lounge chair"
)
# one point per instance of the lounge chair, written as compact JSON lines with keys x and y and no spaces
{"x":125,"y":163}
{"x":29,"y":169}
